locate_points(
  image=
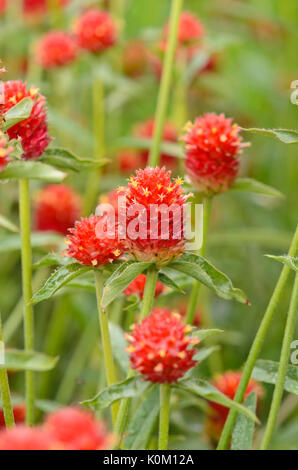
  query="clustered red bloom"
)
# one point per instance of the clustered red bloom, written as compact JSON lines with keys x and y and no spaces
{"x":146,"y":130}
{"x":96,"y":30}
{"x":5,"y":150}
{"x":66,"y":429}
{"x":90,"y":244}
{"x":212,"y":146}
{"x":152,"y":200}
{"x":134,"y":58}
{"x":227,"y":384}
{"x":31,"y":7}
{"x":129,"y":161}
{"x":190,"y":29}
{"x":32,"y":131}
{"x":19,"y":412}
{"x":57,"y":207}
{"x":137,"y":286}
{"x":159,"y":347}
{"x":56,"y":49}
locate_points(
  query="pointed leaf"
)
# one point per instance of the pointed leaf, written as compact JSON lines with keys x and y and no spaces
{"x":244,"y":428}
{"x":286,"y":259}
{"x":173,"y":279}
{"x":266,"y":371}
{"x":204,"y":353}
{"x":18,"y":113}
{"x":203,"y":334}
{"x":201,"y":270}
{"x":65,"y":159}
{"x":52,"y":259}
{"x":59,"y":279}
{"x":5,"y":223}
{"x":32,"y":170}
{"x":253,"y":186}
{"x":15,"y":359}
{"x":120,"y":279}
{"x":129,"y":388}
{"x":287,"y":136}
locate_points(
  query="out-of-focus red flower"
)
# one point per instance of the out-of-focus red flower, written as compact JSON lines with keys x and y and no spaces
{"x":56,"y":49}
{"x":57,"y":207}
{"x":227,"y":384}
{"x":154,"y":216}
{"x":129,"y":161}
{"x":19,"y":412}
{"x":31,"y":7}
{"x":160,"y":348}
{"x":25,"y":438}
{"x":146,"y":130}
{"x":96,"y":30}
{"x":77,"y":429}
{"x":5,"y":150}
{"x":90,"y":244}
{"x":190,"y":29}
{"x":134,"y":58}
{"x":212,"y":147}
{"x":33,"y":131}
{"x":137,"y":287}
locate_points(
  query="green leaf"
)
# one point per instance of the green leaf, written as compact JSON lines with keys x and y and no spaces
{"x":170,"y":279}
{"x":52,"y":259}
{"x":287,"y":136}
{"x":32,"y":170}
{"x":59,"y":279}
{"x":204,"y":353}
{"x":244,"y":428}
{"x":206,"y":390}
{"x":129,"y":388}
{"x":38,"y":240}
{"x":15,"y":359}
{"x":266,"y":371}
{"x":18,"y":113}
{"x":286,"y":259}
{"x":203,"y":334}
{"x":142,"y":425}
{"x":120,"y":279}
{"x":118,"y":346}
{"x":201,"y":270}
{"x":5,"y":223}
{"x":253,"y":186}
{"x":65,"y":159}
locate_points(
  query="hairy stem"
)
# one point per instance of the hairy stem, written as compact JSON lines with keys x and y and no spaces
{"x":163,"y":437}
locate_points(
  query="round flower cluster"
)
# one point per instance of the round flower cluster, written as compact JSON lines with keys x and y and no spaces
{"x":160,"y":348}
{"x":31,"y":7}
{"x":190,"y":29}
{"x":56,"y":49}
{"x":95,"y":30}
{"x":154,"y":216}
{"x":212,"y":146}
{"x":5,"y":150}
{"x":32,"y":131}
{"x":90,"y":243}
{"x":66,"y":429}
{"x":129,"y":161}
{"x":134,"y":59}
{"x":137,"y":286}
{"x":57,"y":207}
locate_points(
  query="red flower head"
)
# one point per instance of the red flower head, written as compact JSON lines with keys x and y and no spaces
{"x":146,"y":130}
{"x":154,"y":216}
{"x":89,"y":242}
{"x":227,"y":384}
{"x":57,"y":208}
{"x":76,"y":429}
{"x":129,"y":161}
{"x":19,"y":412}
{"x":190,"y":29}
{"x":212,"y":147}
{"x":159,"y":347}
{"x":134,"y":58}
{"x":96,"y":30}
{"x":38,"y":7}
{"x":56,"y":49}
{"x":5,"y":150}
{"x":24,"y":438}
{"x":33,"y":131}
{"x":137,"y":287}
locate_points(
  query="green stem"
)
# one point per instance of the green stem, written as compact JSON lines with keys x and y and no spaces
{"x":4,"y":389}
{"x":25,"y":226}
{"x":93,"y":185}
{"x":106,"y":340}
{"x":149,"y":291}
{"x":163,"y":437}
{"x":165,"y":85}
{"x":257,"y":345}
{"x":282,"y":369}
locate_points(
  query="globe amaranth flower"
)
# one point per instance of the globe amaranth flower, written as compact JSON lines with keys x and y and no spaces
{"x":137,"y":286}
{"x":56,"y":49}
{"x":212,"y":145}
{"x":96,"y":30}
{"x":134,"y":58}
{"x":160,"y":348}
{"x":5,"y":151}
{"x":227,"y":384}
{"x":154,"y":216}
{"x":146,"y":130}
{"x":190,"y":29}
{"x":25,"y":438}
{"x":19,"y":412}
{"x":32,"y":131}
{"x":57,"y":207}
{"x":90,"y":242}
{"x":32,"y":7}
{"x":129,"y":161}
{"x":76,"y":429}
